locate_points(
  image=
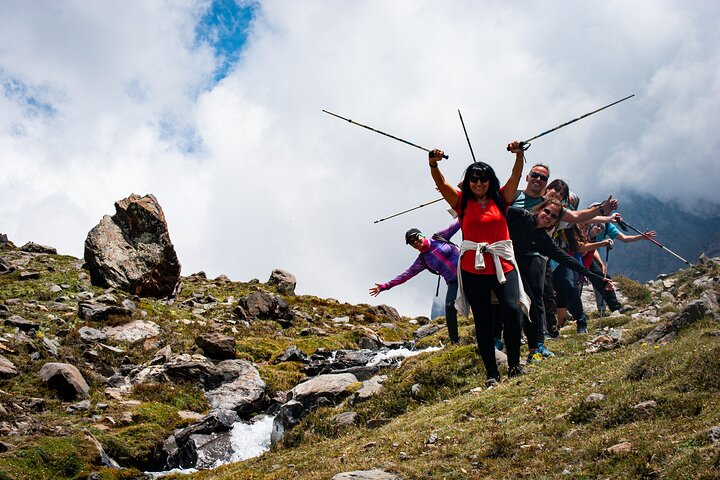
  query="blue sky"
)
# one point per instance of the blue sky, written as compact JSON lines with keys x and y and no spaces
{"x":215,"y":108}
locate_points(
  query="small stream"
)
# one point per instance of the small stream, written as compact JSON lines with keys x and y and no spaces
{"x":249,"y":440}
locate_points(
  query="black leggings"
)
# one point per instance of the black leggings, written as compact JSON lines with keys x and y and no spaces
{"x":477,"y":289}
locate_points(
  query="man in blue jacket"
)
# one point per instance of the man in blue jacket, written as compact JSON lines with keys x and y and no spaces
{"x":438,"y":255}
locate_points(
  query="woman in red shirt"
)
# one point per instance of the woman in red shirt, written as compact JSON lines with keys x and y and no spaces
{"x":487,"y":262}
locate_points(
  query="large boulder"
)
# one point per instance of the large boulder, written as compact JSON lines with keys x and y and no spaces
{"x":285,"y":282}
{"x":132,"y":249}
{"x":65,"y":379}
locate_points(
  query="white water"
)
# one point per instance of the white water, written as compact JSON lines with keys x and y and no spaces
{"x":249,"y":440}
{"x":399,"y":353}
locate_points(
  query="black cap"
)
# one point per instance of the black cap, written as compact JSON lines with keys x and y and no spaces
{"x":411,"y":234}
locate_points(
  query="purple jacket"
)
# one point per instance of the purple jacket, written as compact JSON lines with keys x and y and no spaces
{"x":441,"y":258}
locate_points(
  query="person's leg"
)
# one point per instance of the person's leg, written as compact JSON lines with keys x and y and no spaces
{"x":562,"y":293}
{"x":609,"y":296}
{"x":549,"y":304}
{"x":575,"y":305}
{"x":451,"y":312}
{"x":528,"y":323}
{"x":477,"y":291}
{"x":508,"y":295}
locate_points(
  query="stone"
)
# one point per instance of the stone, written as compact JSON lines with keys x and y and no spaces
{"x":345,"y":418}
{"x":217,"y":346}
{"x":96,"y":312}
{"x":133,"y":332}
{"x":242,"y":388}
{"x":29,"y":275}
{"x":7,"y":368}
{"x":65,"y":379}
{"x":369,"y":389}
{"x":89,"y":334}
{"x":293,"y":354}
{"x":287,"y":418}
{"x":374,"y":474}
{"x":691,"y":313}
{"x":285,"y":282}
{"x":332,"y":387}
{"x":31,"y":247}
{"x":21,"y":323}
{"x":594,"y":398}
{"x":623,"y":448}
{"x":714,"y":434}
{"x":426,"y":330}
{"x":132,"y":250}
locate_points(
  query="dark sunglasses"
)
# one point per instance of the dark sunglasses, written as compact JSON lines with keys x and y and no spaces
{"x":542,"y":177}
{"x":548,"y":212}
{"x":481,"y":179}
{"x":414,"y":239}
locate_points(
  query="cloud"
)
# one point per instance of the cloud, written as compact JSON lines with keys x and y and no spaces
{"x":101,"y":100}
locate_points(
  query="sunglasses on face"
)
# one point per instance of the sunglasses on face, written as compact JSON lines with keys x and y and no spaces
{"x":479,"y":179}
{"x":414,"y":240}
{"x":542,"y":177}
{"x":547,"y":211}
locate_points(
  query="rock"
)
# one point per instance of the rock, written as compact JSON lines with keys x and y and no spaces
{"x":133,"y":332}
{"x":645,"y":408}
{"x":21,"y":323}
{"x":89,"y":334}
{"x":100,"y":313}
{"x":385,"y":312}
{"x":132,"y":249}
{"x":287,"y":418}
{"x":65,"y":379}
{"x":620,"y":449}
{"x":293,"y":354}
{"x":501,"y":358}
{"x":29,"y":275}
{"x":594,"y":398}
{"x":332,"y":387}
{"x":284,"y":282}
{"x":7,"y":368}
{"x":5,"y":268}
{"x":714,"y":433}
{"x":242,"y":390}
{"x":366,"y":475}
{"x":369,"y":389}
{"x":690,"y":314}
{"x":182,"y":447}
{"x":217,"y":346}
{"x":31,"y":247}
{"x":345,"y":418}
{"x":425,"y":331}
{"x":262,"y":305}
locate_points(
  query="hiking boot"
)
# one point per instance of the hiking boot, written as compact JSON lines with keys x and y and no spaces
{"x":544,"y":351}
{"x":552,"y":334}
{"x":492,"y":382}
{"x":499,"y":344}
{"x":534,"y":358}
{"x":515,"y":370}
{"x":582,"y":329}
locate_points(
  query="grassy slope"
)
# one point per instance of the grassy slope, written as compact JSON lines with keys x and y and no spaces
{"x":534,"y":427}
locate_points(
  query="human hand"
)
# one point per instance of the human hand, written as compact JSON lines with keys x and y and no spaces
{"x":515,"y":147}
{"x":610,"y":204}
{"x":434,"y":156}
{"x":375,"y":291}
{"x":609,"y":285}
{"x":649,"y":233}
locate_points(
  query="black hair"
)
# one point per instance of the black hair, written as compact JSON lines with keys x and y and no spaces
{"x":563,"y":185}
{"x":482,"y":169}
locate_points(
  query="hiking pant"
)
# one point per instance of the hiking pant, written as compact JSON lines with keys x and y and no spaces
{"x":568,"y":294}
{"x":549,"y":304}
{"x":609,"y":296}
{"x":532,"y":269}
{"x":451,"y":312}
{"x":477,"y":290}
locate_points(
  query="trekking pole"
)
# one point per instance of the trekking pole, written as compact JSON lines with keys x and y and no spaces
{"x":381,"y":133}
{"x":408,"y":210}
{"x":526,"y":144}
{"x":466,"y":136}
{"x":623,"y":224}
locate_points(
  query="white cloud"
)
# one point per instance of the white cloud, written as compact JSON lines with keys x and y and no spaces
{"x":253,"y":176}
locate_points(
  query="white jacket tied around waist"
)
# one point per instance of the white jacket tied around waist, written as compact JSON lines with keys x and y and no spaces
{"x":497,"y":250}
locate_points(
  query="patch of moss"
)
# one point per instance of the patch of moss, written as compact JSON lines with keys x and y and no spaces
{"x":45,"y":458}
{"x":139,"y":445}
{"x":636,"y":293}
{"x":179,"y":395}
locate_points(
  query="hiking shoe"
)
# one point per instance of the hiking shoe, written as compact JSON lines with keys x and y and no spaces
{"x":582,"y":329}
{"x":515,"y":370}
{"x":534,"y":358}
{"x":499,"y":344}
{"x":552,"y":334}
{"x":491,"y":382}
{"x":544,"y":351}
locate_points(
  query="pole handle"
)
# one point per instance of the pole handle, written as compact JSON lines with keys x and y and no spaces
{"x":524,"y":145}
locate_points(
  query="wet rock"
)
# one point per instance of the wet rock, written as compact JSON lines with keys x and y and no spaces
{"x":182,"y":447}
{"x":132,"y":249}
{"x":332,"y":387}
{"x":293,"y":354}
{"x":375,"y":474}
{"x":7,"y":368}
{"x":287,"y":418}
{"x":217,"y":346}
{"x":65,"y":379}
{"x":285,"y":282}
{"x":21,"y":323}
{"x":243,"y":393}
{"x":32,"y":247}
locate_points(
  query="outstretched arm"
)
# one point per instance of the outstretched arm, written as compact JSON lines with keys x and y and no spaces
{"x":511,"y":186}
{"x":647,"y":234}
{"x":449,"y":193}
{"x":580,"y":216}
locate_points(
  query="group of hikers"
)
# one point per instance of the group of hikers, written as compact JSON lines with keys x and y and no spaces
{"x":521,"y":259}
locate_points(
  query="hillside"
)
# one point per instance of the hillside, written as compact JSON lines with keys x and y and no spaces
{"x":607,"y":406}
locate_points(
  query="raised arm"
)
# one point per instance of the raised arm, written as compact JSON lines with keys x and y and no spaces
{"x":449,"y":193}
{"x":581,"y":216}
{"x":647,"y":234}
{"x":511,"y":186}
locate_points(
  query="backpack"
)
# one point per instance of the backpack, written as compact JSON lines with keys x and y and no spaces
{"x":439,"y":238}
